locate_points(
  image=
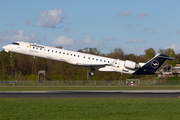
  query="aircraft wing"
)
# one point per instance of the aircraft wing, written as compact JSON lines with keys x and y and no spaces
{"x":91,"y":65}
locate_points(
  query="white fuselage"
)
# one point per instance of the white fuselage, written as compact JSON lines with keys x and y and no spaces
{"x":72,"y":57}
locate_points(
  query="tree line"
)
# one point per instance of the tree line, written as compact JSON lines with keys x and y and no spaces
{"x":22,"y":67}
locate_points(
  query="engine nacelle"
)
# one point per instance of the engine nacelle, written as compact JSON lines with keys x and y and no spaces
{"x":131,"y":65}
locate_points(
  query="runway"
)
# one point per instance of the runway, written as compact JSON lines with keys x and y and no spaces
{"x":92,"y":94}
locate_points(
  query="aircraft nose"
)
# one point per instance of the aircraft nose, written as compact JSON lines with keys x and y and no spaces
{"x":5,"y":48}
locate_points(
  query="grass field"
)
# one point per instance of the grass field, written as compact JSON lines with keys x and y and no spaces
{"x":89,"y":108}
{"x":57,"y":88}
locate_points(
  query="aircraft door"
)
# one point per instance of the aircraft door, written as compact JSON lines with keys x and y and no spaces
{"x":24,"y":47}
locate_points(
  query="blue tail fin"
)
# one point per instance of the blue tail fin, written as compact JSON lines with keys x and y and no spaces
{"x":153,"y":65}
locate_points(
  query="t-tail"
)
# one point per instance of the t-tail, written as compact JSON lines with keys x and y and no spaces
{"x":152,"y":65}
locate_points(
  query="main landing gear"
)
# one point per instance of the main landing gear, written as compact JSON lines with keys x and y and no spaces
{"x":91,"y":73}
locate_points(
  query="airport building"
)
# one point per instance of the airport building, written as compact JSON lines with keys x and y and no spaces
{"x":169,"y":71}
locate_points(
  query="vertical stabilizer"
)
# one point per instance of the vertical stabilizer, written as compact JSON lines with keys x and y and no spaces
{"x":153,"y":65}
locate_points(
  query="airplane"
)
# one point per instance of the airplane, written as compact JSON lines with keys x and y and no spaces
{"x":92,"y":62}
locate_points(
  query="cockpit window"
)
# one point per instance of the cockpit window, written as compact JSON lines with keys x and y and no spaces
{"x":14,"y":43}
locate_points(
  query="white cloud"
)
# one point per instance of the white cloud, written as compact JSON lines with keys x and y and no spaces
{"x":137,"y":25}
{"x":66,"y":41}
{"x":177,"y":31}
{"x":104,"y":44}
{"x":66,"y":30}
{"x":106,"y":39}
{"x":142,"y":15}
{"x":128,"y":25}
{"x":146,"y":29}
{"x":124,"y":13}
{"x":12,"y":24}
{"x":154,"y":32}
{"x":136,"y":41}
{"x":18,"y":36}
{"x":89,"y":39}
{"x":174,"y":46}
{"x":62,"y":40}
{"x":50,"y":18}
{"x":44,"y":37}
{"x":89,"y":42}
{"x":27,"y":22}
{"x":134,"y":50}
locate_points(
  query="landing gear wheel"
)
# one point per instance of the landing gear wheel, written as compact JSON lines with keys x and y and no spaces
{"x":91,"y":73}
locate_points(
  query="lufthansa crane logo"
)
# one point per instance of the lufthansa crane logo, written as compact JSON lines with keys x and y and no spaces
{"x":155,"y":64}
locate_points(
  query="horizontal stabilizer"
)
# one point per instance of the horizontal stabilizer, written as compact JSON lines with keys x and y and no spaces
{"x":166,"y":57}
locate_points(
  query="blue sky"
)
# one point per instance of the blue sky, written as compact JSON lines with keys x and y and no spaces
{"x":133,"y":25}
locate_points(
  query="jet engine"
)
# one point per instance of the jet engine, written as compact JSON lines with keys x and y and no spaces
{"x":131,"y":65}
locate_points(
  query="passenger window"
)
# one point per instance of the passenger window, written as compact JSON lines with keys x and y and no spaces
{"x":59,"y":52}
{"x":92,"y":58}
{"x":96,"y":59}
{"x":48,"y":50}
{"x":67,"y":53}
{"x":74,"y":55}
{"x":78,"y":56}
{"x":56,"y":51}
{"x":104,"y":60}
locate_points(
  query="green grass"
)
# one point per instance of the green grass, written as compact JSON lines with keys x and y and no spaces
{"x":58,"y":88}
{"x":89,"y":108}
